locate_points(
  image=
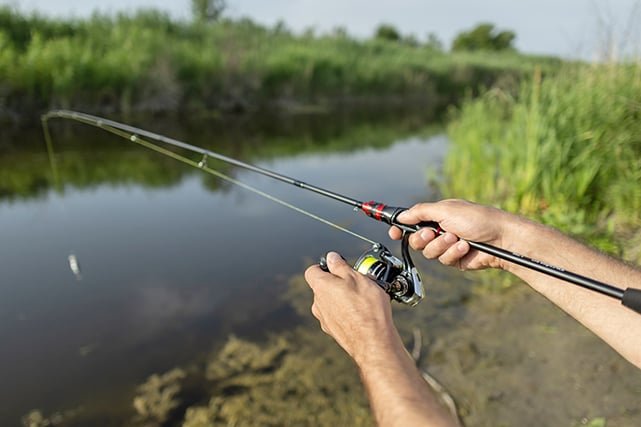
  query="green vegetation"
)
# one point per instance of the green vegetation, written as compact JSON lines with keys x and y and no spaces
{"x":564,"y":149}
{"x":484,"y":37}
{"x":150,"y":62}
{"x":387,"y":32}
{"x":208,"y":10}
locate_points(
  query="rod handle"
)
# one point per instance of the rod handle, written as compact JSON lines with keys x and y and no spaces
{"x":388,"y":214}
{"x":632,"y":299}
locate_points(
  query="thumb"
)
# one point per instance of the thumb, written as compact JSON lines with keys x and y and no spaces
{"x":335,"y":261}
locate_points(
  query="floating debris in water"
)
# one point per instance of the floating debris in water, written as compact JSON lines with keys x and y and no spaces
{"x":74,"y":266}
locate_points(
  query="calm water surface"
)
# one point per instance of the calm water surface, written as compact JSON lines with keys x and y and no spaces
{"x":169,"y":268}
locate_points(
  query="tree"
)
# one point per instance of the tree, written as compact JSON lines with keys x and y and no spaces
{"x":387,"y":32}
{"x":208,"y":10}
{"x":484,"y":37}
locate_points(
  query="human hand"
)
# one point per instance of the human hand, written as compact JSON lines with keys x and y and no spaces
{"x":351,"y":308}
{"x":462,"y":221}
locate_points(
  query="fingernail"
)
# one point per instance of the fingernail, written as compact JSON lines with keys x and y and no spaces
{"x":426,"y":234}
{"x":461,"y":246}
{"x":402,"y":216}
{"x":333,"y":257}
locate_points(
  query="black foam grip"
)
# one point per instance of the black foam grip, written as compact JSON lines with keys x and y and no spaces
{"x":632,"y":299}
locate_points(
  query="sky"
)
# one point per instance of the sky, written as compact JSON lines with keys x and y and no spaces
{"x":565,"y":28}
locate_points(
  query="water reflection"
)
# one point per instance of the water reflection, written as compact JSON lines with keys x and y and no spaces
{"x":172,"y":260}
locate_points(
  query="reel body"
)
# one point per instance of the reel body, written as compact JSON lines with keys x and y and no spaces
{"x":399,"y":278}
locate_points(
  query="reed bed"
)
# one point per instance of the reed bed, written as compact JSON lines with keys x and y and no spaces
{"x":564,"y":149}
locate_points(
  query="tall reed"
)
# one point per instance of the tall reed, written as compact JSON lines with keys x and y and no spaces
{"x":565,"y":149}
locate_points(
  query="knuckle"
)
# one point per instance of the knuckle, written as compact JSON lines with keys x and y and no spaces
{"x":315,"y":311}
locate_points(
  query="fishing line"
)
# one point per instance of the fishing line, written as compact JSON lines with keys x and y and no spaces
{"x":72,"y":258}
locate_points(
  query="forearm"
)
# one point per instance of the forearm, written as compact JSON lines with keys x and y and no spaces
{"x":358,"y":315}
{"x":398,"y":394}
{"x":605,"y":316}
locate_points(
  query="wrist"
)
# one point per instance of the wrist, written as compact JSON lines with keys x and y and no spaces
{"x":382,"y":346}
{"x":527,"y":238}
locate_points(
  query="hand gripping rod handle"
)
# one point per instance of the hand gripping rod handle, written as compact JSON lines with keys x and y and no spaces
{"x":631,"y":298}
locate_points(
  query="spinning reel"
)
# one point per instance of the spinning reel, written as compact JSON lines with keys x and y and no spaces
{"x":399,"y":278}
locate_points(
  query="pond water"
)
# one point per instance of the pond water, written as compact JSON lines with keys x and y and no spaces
{"x":174,"y":261}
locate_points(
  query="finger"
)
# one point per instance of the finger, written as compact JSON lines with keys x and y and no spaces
{"x":337,"y":264}
{"x":314,"y":274}
{"x":395,"y":233}
{"x":409,"y":217}
{"x":421,"y":238}
{"x":454,"y":255}
{"x":422,"y":212}
{"x":437,"y":247}
{"x":317,"y":278}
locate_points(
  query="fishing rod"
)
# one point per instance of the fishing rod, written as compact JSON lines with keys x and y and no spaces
{"x":396,"y":276}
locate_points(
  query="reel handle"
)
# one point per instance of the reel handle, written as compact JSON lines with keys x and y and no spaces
{"x":322,"y":263}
